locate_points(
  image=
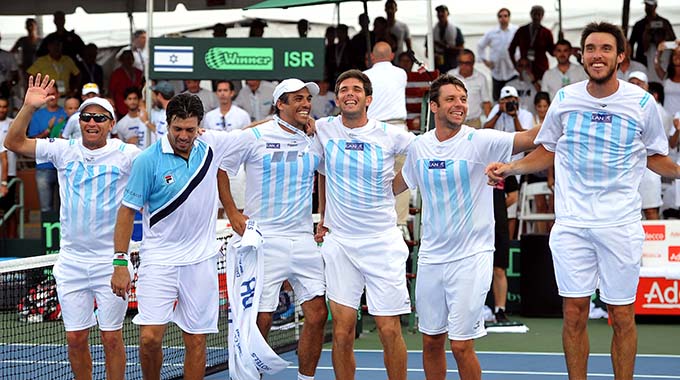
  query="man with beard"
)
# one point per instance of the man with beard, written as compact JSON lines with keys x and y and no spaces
{"x":456,"y":255}
{"x":284,"y":157}
{"x":600,"y":134}
{"x":565,"y":73}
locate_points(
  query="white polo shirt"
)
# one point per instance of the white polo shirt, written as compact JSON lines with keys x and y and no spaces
{"x":601,"y":147}
{"x":178,"y":196}
{"x":128,"y":127}
{"x":235,"y":118}
{"x":258,"y":104}
{"x":477,"y":92}
{"x":389,"y":92}
{"x":497,"y":41}
{"x":11,"y":156}
{"x":457,"y":202}
{"x":359,"y":169}
{"x":91,"y":184}
{"x":554,"y":79}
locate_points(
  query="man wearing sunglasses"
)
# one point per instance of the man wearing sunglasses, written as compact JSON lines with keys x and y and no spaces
{"x":92,"y":173}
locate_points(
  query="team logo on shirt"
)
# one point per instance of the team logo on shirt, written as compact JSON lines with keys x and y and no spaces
{"x":273,"y":146}
{"x":434,"y":164}
{"x":51,"y":139}
{"x":601,"y":117}
{"x":354,"y":146}
{"x":169,"y":179}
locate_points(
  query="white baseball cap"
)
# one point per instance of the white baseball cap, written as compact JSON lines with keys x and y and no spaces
{"x":90,"y":88}
{"x":292,"y":85}
{"x":650,"y":2}
{"x":99,"y":102}
{"x":638,"y":75}
{"x":509,"y":91}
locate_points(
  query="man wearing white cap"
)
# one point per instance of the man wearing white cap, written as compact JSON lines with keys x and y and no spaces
{"x":72,"y":128}
{"x":508,"y":116}
{"x":92,"y":174}
{"x":650,"y":185}
{"x":279,"y":183}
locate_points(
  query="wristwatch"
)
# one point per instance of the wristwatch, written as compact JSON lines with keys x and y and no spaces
{"x":3,"y":183}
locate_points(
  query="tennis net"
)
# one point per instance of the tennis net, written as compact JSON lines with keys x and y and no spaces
{"x":33,"y":342}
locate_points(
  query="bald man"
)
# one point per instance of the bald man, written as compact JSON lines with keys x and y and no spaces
{"x":389,"y":105}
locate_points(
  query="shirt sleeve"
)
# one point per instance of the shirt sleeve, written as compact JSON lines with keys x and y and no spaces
{"x":50,"y":150}
{"x":241,"y":147}
{"x":408,"y":171}
{"x":492,"y":145}
{"x":401,"y":139}
{"x":140,"y":184}
{"x":486,"y":96}
{"x":481,"y":47}
{"x":551,"y":130}
{"x":653,"y":134}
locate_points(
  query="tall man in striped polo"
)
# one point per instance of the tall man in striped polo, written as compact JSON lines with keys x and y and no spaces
{"x":92,"y":173}
{"x":363,"y":246}
{"x":174,"y":181}
{"x":600,"y":133}
{"x":279,"y":183}
{"x":456,"y":255}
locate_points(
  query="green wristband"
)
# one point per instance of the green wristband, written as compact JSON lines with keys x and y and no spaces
{"x":120,"y":262}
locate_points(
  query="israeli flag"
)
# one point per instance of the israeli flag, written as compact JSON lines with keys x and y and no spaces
{"x":173,"y":58}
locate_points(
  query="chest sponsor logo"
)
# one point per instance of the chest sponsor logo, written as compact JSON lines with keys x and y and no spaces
{"x":273,"y":146}
{"x":601,"y":117}
{"x":169,"y":179}
{"x":354,"y":146}
{"x":655,"y":233}
{"x":436,"y":164}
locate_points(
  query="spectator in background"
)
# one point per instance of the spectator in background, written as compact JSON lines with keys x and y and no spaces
{"x":139,"y":50}
{"x":27,"y":46}
{"x":343,"y":52}
{"x":219,"y":30}
{"x":382,"y":32}
{"x":256,"y":99}
{"x":71,"y":105}
{"x":359,"y":44}
{"x":398,"y":28}
{"x":448,"y":41}
{"x":71,"y":42}
{"x":497,"y":41}
{"x":90,"y":70}
{"x":389,"y":106}
{"x":628,"y":66}
{"x":329,"y":53}
{"x":646,"y":35}
{"x":125,"y":76}
{"x":565,"y":73}
{"x":534,"y":41}
{"x":405,"y":62}
{"x":671,"y":83}
{"x":58,"y":66}
{"x":8,"y":170}
{"x":525,"y":84}
{"x":478,"y":97}
{"x":41,"y":125}
{"x":71,"y":129}
{"x":226,"y":116}
{"x":505,"y":194}
{"x":650,"y":185}
{"x":323,"y":104}
{"x":257,"y":28}
{"x":155,"y":120}
{"x":9,"y":73}
{"x":207,"y":97}
{"x":303,"y":28}
{"x":508,"y":115}
{"x":131,"y":128}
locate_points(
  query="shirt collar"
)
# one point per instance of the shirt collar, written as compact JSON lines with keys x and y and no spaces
{"x":167,"y":148}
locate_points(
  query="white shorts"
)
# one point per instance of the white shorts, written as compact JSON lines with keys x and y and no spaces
{"x":79,"y":285}
{"x":450,"y":297}
{"x":378,"y":263}
{"x":650,"y":190}
{"x":187,"y":295}
{"x":585,"y":256}
{"x":297,"y":260}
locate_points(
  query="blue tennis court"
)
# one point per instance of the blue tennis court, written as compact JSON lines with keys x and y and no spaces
{"x":495,"y":366}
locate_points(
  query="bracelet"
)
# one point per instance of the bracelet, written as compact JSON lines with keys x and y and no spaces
{"x":121,"y":255}
{"x":120,"y":263}
{"x":3,"y":183}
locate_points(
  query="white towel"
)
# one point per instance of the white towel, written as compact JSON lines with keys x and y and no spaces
{"x":249,"y":353}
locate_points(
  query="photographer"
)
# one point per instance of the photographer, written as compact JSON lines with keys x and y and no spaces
{"x":508,"y":116}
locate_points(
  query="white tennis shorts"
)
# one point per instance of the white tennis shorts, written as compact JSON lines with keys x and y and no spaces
{"x":377,"y":263}
{"x":611,"y":256}
{"x":296,"y":259}
{"x":450,"y":296}
{"x":187,"y":295}
{"x":79,"y":285}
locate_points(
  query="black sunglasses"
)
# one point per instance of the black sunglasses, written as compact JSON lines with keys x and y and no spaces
{"x":98,"y":117}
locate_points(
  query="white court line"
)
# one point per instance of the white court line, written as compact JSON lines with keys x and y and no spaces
{"x":66,"y":362}
{"x":525,"y":373}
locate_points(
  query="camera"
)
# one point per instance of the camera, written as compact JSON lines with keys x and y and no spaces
{"x":511,"y":106}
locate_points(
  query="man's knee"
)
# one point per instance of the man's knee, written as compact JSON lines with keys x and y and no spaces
{"x":150,"y":340}
{"x":77,"y":340}
{"x":389,"y":328}
{"x":622,"y":317}
{"x":112,"y":339}
{"x":575,"y":312}
{"x":434,"y":343}
{"x":194,"y":342}
{"x":462,"y":347}
{"x":316,"y":312}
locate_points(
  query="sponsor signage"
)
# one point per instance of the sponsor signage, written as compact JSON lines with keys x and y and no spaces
{"x":658,"y":296}
{"x":236,"y":58}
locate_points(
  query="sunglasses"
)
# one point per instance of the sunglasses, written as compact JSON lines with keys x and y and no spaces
{"x":98,"y":117}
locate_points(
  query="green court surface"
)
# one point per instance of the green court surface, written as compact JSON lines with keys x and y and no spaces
{"x":655,"y":336}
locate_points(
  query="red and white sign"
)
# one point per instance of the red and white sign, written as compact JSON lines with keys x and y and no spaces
{"x":674,"y":254}
{"x":654,"y":232}
{"x":658,"y":296}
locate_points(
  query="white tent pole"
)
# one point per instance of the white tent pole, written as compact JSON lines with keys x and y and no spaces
{"x":147,"y":95}
{"x":430,"y":37}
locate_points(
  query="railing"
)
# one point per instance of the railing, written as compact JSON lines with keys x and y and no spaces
{"x":16,"y":207}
